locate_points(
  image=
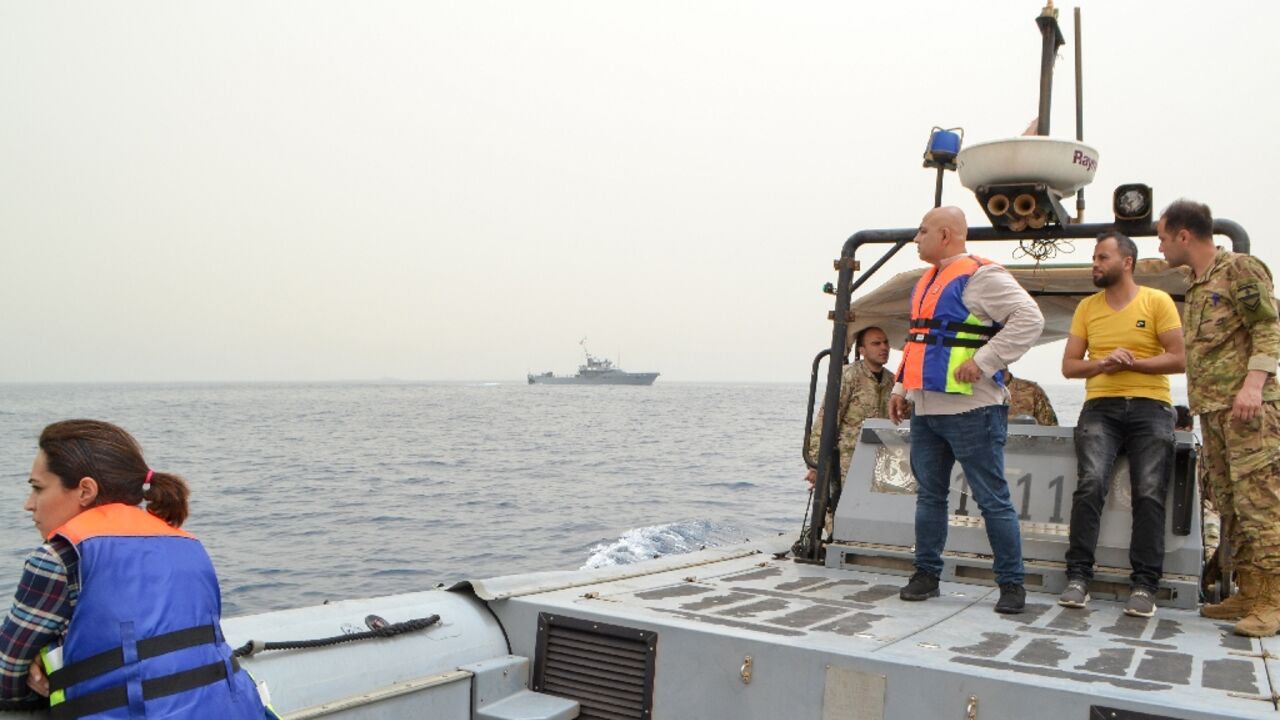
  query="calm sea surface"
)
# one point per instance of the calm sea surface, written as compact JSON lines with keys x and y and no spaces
{"x":304,"y":493}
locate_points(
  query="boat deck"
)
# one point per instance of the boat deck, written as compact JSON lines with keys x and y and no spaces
{"x":800,"y":621}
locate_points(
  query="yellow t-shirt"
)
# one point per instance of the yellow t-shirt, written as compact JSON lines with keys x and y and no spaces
{"x":1135,"y":328}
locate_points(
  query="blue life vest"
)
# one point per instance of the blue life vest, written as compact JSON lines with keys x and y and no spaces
{"x":145,"y":639}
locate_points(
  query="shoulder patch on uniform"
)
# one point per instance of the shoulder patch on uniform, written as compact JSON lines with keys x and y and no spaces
{"x":1249,"y":295}
{"x":1255,"y":305}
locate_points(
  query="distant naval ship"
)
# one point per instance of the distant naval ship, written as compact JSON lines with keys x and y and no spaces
{"x":596,"y":371}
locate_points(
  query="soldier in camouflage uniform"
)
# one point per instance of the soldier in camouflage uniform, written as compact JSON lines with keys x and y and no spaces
{"x":865,"y":386}
{"x":1233,"y":341}
{"x":1028,"y":399}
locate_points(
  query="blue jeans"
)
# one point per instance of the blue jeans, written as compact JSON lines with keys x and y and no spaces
{"x":976,"y":439}
{"x":1143,"y":428}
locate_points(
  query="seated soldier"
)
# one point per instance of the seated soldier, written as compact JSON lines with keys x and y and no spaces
{"x":1028,"y":399}
{"x":865,"y":386}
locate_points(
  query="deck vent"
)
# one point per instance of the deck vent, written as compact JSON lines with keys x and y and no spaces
{"x":608,"y":669}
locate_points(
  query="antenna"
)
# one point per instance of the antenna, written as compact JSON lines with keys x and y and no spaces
{"x":1051,"y":40}
{"x":1079,"y":112}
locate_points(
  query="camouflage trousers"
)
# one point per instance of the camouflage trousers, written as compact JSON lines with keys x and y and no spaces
{"x":1210,"y":527}
{"x":1242,"y":472}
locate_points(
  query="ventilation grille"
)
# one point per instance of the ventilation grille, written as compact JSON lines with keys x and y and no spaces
{"x":608,"y":669}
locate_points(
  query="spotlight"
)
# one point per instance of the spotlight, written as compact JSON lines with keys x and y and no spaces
{"x":1132,"y":203}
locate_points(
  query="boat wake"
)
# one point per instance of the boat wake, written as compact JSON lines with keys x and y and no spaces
{"x":647,"y":543}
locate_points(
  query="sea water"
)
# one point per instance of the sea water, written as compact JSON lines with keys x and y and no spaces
{"x":305,"y":493}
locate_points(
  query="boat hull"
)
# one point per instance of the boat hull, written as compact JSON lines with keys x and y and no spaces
{"x":611,"y":379}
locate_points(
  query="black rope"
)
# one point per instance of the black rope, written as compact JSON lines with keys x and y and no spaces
{"x":798,"y":548}
{"x":256,"y":646}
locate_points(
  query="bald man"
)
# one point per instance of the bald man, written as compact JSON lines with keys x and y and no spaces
{"x":969,"y":321}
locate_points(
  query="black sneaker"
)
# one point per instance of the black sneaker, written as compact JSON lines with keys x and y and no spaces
{"x":1013,"y":599}
{"x":923,"y":585}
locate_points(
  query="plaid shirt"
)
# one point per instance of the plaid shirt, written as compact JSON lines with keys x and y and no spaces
{"x":40,"y":613}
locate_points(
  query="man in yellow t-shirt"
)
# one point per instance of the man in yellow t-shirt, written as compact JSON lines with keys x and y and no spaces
{"x":1133,"y":339}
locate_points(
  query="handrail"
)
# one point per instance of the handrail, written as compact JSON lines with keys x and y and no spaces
{"x":899,"y":238}
{"x":808,"y":418}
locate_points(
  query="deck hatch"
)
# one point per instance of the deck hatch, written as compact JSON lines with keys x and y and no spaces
{"x":608,"y":669}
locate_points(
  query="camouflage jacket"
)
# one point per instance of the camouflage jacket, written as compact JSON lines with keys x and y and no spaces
{"x":1028,"y":398}
{"x":861,"y":397}
{"x":1230,"y":328}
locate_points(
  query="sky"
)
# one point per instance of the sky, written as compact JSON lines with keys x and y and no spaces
{"x":319,"y":190}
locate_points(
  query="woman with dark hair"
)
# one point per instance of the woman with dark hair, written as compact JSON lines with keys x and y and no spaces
{"x":119,"y":607}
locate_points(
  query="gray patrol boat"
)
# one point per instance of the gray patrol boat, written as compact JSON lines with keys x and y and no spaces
{"x":596,"y":371}
{"x":815,"y":630}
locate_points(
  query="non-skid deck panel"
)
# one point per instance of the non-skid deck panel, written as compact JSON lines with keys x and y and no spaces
{"x":1176,"y":659}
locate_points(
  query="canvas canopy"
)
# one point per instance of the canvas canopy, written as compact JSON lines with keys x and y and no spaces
{"x":1057,"y":289}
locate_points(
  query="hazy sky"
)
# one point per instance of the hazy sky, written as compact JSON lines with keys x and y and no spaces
{"x":462,"y":190}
